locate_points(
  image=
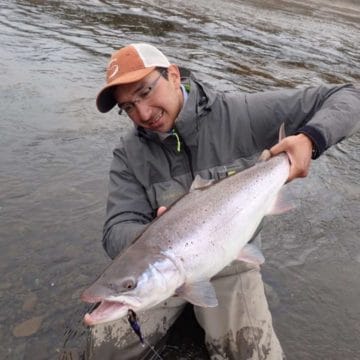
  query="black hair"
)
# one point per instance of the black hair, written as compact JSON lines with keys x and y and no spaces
{"x":163,"y":71}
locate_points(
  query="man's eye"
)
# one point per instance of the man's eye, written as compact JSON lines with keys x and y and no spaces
{"x":128,"y":107}
{"x":146,"y":92}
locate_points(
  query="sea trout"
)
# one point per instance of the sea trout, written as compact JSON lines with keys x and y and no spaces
{"x":181,"y":250}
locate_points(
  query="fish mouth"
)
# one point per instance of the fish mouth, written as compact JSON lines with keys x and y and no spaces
{"x":106,"y":311}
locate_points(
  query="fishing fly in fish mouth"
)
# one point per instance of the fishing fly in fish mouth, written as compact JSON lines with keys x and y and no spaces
{"x":133,"y":321}
{"x":135,"y":325}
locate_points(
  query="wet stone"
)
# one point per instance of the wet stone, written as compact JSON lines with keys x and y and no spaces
{"x":28,"y":327}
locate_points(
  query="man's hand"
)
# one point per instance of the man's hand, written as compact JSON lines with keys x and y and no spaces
{"x":160,"y":210}
{"x":299,"y":150}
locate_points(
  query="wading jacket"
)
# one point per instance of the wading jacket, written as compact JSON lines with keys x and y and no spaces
{"x":215,"y":135}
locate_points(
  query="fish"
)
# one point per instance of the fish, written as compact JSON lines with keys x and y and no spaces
{"x":182,"y":249}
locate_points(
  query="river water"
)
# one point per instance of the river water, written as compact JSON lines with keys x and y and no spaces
{"x":55,"y":152}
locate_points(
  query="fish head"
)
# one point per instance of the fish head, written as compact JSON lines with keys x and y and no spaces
{"x":132,"y":281}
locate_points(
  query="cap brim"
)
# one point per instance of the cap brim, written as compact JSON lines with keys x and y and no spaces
{"x":105,"y":100}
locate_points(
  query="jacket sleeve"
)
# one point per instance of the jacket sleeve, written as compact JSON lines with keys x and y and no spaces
{"x":128,"y":210}
{"x":326,"y":114}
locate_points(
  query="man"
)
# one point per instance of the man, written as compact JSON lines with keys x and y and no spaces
{"x":184,"y":128}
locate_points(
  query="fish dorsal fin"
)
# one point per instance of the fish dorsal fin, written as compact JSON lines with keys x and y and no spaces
{"x":201,"y":293}
{"x":251,"y":254}
{"x":200,"y":183}
{"x":266,"y":154}
{"x":282,"y":133}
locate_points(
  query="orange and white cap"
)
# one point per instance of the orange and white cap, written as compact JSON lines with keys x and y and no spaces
{"x":127,"y":65}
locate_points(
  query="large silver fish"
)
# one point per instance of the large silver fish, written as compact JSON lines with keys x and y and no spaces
{"x":197,"y":237}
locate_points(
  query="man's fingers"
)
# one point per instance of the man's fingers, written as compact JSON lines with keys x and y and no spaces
{"x":161,"y":210}
{"x":278,"y":148}
{"x":298,"y":149}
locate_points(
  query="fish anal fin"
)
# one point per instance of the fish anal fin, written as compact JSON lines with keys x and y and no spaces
{"x":250,"y":253}
{"x":201,"y":293}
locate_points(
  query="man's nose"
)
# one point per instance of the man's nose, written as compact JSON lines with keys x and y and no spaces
{"x":144,"y":111}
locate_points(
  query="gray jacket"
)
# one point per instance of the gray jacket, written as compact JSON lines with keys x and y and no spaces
{"x":215,"y":135}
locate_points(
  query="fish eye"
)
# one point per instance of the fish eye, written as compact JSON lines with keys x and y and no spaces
{"x":129,"y":284}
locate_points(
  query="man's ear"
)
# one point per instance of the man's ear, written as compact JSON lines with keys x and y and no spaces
{"x":174,"y":75}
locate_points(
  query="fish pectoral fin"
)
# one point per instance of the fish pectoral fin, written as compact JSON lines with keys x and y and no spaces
{"x":250,"y":253}
{"x":201,"y":293}
{"x":200,"y":183}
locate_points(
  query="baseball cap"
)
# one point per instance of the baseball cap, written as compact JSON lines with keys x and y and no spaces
{"x":127,"y":65}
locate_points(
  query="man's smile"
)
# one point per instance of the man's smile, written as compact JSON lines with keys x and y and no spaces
{"x":156,"y":120}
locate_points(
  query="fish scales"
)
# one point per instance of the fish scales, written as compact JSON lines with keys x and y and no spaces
{"x":217,"y":214}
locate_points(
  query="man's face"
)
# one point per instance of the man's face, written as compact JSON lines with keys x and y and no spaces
{"x":153,"y":102}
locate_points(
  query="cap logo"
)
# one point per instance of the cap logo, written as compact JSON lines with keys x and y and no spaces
{"x":112,"y":69}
